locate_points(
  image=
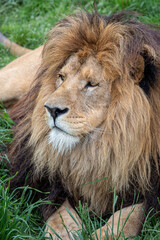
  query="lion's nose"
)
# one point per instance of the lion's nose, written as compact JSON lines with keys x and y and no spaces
{"x":56,"y":111}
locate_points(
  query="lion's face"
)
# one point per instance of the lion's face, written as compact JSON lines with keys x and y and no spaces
{"x":79,"y":103}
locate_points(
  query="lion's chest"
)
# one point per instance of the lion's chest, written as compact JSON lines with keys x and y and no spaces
{"x":86,"y":187}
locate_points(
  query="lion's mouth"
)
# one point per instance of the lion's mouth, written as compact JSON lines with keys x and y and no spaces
{"x":61,"y":140}
{"x":55,"y":124}
{"x":62,"y":130}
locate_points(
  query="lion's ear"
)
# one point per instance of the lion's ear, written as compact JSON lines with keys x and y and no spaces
{"x":139,"y":69}
{"x":147,"y":69}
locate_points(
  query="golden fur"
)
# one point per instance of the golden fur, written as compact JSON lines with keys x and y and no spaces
{"x":116,"y":120}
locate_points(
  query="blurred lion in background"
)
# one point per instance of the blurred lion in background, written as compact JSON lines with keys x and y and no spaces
{"x":92,"y":112}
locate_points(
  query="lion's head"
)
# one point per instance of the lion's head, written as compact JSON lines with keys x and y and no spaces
{"x":94,"y":110}
{"x":79,"y":103}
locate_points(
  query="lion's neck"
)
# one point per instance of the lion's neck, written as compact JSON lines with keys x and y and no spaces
{"x":85,"y":173}
{"x":93,"y":169}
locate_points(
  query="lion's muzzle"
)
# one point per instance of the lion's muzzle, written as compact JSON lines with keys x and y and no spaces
{"x":56,"y":111}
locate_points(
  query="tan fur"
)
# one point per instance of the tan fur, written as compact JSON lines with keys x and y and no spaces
{"x":13,"y":47}
{"x":111,"y":129}
{"x":16,"y":77}
{"x":125,"y":222}
{"x":65,"y":221}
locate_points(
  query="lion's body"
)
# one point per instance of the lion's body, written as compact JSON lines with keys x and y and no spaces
{"x":103,"y":114}
{"x":16,"y":77}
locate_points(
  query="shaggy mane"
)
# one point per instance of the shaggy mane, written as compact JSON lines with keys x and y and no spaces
{"x":126,"y":147}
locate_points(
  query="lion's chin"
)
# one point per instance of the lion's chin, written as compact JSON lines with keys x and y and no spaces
{"x":61,"y":141}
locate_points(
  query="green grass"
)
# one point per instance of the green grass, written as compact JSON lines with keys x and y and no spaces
{"x":18,"y":216}
{"x":27,"y":23}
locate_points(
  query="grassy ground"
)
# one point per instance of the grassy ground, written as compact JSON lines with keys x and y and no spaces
{"x":27,"y":23}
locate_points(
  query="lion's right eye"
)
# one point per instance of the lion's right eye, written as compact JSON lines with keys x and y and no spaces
{"x":61,"y":77}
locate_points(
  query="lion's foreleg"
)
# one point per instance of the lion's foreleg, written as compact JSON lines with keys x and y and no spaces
{"x":125,"y":222}
{"x":65,"y":221}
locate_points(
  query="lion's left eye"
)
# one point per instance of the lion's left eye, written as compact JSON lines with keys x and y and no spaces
{"x":89,"y":84}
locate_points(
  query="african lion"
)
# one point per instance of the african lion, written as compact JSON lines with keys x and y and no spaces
{"x":93,"y":113}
